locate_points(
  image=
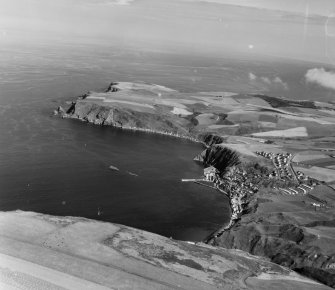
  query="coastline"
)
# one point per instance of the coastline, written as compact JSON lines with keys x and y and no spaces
{"x":266,"y":217}
{"x":233,"y":218}
{"x":223,"y":228}
{"x":138,"y":129}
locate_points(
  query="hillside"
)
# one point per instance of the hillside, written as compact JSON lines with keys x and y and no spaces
{"x":47,"y":252}
{"x":161,"y":109}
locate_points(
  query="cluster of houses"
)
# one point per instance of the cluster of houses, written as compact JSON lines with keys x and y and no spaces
{"x":301,"y":175}
{"x":236,"y":206}
{"x":285,"y":172}
{"x":302,"y":189}
{"x":281,"y":172}
{"x":240,"y":186}
{"x":237,"y":185}
{"x":273,"y":174}
{"x":234,"y":184}
{"x":265,"y":154}
{"x":318,"y":205}
{"x":281,"y":161}
{"x":279,"y":157}
{"x":211,"y":174}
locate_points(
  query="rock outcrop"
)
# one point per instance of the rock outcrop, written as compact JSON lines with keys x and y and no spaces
{"x":123,"y":118}
{"x":279,"y":236}
{"x":212,"y":139}
{"x":219,"y":157}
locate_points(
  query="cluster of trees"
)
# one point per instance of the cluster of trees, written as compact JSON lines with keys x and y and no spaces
{"x":212,"y":139}
{"x":256,"y":168}
{"x":281,"y":102}
{"x":111,"y":88}
{"x":261,"y":171}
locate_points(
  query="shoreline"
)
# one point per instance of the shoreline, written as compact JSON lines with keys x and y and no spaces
{"x":221,"y":229}
{"x":138,"y":129}
{"x":233,"y":218}
{"x":224,"y":228}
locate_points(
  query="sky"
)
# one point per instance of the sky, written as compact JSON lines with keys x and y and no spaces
{"x":298,"y":29}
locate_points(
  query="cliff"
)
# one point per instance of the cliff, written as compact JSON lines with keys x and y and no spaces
{"x":198,"y":115}
{"x":118,"y":107}
{"x":288,"y":232}
{"x":121,"y":117}
{"x":219,"y":157}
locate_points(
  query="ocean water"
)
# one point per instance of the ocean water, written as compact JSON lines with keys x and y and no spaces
{"x":61,"y":167}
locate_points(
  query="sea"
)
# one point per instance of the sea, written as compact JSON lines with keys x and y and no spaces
{"x":62,"y":167}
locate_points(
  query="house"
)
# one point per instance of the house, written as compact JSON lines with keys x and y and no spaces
{"x":210,"y":173}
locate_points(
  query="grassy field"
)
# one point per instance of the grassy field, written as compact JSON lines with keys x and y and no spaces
{"x":223,"y":112}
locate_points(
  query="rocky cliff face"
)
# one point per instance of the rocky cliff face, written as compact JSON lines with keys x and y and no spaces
{"x":219,"y":157}
{"x":134,"y":106}
{"x":117,"y":117}
{"x":282,"y":239}
{"x":212,"y":139}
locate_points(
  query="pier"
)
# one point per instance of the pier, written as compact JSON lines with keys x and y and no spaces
{"x":198,"y":181}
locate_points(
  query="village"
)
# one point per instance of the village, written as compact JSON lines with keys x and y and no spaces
{"x":234,"y":184}
{"x":237,"y":184}
{"x":285,"y":171}
{"x":240,"y":183}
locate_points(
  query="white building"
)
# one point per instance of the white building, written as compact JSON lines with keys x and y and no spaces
{"x":210,"y":173}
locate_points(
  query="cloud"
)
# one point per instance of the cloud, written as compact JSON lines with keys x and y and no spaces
{"x":3,"y":33}
{"x":279,"y":81}
{"x":121,"y":2}
{"x":109,"y":2}
{"x":321,"y":77}
{"x":266,"y":80}
{"x":252,"y":77}
{"x":276,"y":81}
